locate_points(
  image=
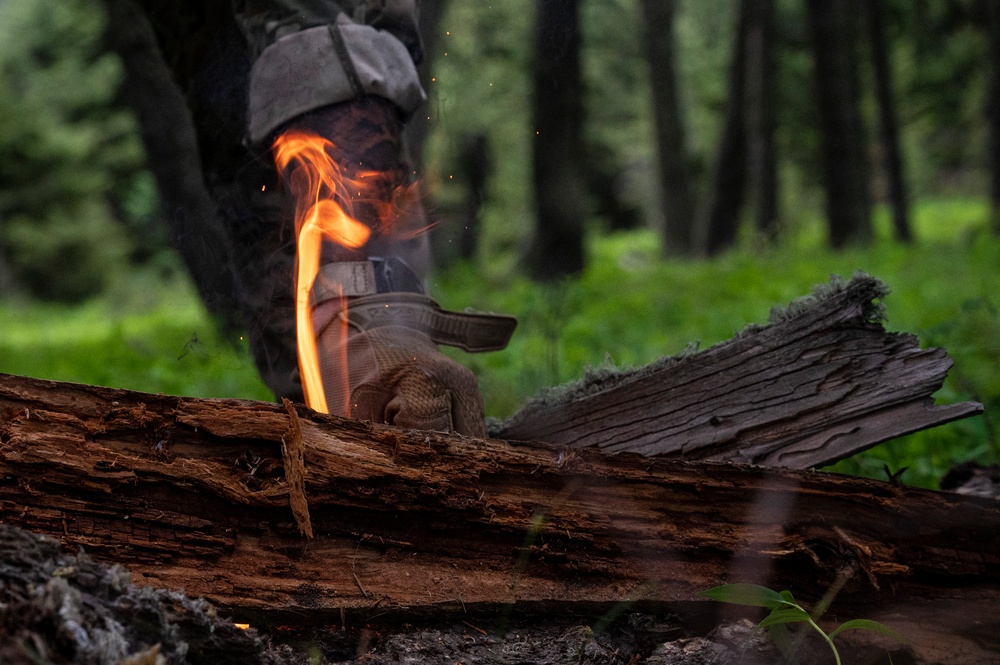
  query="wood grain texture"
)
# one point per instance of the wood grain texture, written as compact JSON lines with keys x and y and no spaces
{"x":819,"y":386}
{"x":192,"y":493}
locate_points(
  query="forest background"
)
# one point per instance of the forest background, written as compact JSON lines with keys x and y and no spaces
{"x":631,"y":178}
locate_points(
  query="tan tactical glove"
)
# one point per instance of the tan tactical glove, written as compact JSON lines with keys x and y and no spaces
{"x":376,"y":332}
{"x":395,"y":373}
{"x":398,"y":376}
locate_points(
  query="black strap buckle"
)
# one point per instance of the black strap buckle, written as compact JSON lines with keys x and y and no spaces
{"x":393,"y":274}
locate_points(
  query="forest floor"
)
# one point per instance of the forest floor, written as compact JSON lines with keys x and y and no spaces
{"x":60,"y":609}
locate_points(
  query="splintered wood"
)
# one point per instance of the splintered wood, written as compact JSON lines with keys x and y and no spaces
{"x":293,"y":459}
{"x":821,"y":383}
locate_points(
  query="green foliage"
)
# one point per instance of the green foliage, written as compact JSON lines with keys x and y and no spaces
{"x":61,"y":149}
{"x":146,"y":335}
{"x":940,"y":52}
{"x":785,"y":610}
{"x":65,"y":255}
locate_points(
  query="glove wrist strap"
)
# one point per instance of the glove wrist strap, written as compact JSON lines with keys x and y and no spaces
{"x":385,"y":292}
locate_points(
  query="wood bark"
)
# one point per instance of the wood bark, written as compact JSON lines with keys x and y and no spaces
{"x":193,"y":493}
{"x":59,"y":609}
{"x":822,"y":384}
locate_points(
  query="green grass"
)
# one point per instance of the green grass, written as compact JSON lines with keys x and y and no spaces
{"x":150,"y":336}
{"x":629,"y":308}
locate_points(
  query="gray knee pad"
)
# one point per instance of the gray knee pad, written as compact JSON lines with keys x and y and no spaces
{"x":324,"y":65}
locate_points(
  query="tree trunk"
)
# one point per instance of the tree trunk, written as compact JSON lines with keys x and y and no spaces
{"x":476,"y":162}
{"x":675,"y":189}
{"x":558,"y":155}
{"x":822,"y":383}
{"x":898,"y":199}
{"x":834,"y":25}
{"x":604,"y":183}
{"x":432,"y":13}
{"x":760,"y":115}
{"x":993,"y":111}
{"x":204,"y":494}
{"x":720,"y":215}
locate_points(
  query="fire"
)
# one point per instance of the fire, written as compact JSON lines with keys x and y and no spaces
{"x":324,"y":203}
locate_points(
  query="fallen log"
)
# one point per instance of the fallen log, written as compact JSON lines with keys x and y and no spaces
{"x":822,"y":382}
{"x":194,"y":494}
{"x":283,"y":514}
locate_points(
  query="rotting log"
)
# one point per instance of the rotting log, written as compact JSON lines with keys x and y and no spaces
{"x":193,"y":493}
{"x":821,"y":383}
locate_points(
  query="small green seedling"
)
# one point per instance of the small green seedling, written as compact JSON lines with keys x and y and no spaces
{"x":784,"y":610}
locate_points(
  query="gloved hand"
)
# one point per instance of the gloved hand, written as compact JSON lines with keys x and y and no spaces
{"x":378,"y":358}
{"x":396,"y":375}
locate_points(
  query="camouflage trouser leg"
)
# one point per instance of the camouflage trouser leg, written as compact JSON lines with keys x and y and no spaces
{"x":244,"y":73}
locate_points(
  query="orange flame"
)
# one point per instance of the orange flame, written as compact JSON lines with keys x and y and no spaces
{"x":318,"y":184}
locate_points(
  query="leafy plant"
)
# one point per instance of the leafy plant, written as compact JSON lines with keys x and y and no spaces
{"x":784,"y":610}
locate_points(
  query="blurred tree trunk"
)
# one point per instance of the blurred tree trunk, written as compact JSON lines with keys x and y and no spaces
{"x":835,"y":25}
{"x":675,"y":189}
{"x":719,"y":216}
{"x":431,"y":14}
{"x":476,"y":163}
{"x":760,"y":114}
{"x":604,"y":184}
{"x":558,"y":154}
{"x":418,"y":128}
{"x":993,"y":110}
{"x":889,"y":130}
{"x":745,"y":161}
